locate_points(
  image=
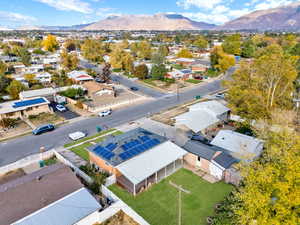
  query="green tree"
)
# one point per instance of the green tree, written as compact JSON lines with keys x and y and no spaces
{"x":184,"y":53}
{"x":271,"y":190}
{"x":4,"y":83}
{"x":296,"y":50}
{"x":69,"y":61}
{"x":31,"y":79}
{"x":141,"y":71}
{"x":158,"y":72}
{"x":248,"y":49}
{"x":116,"y":57}
{"x":232,"y":44}
{"x":144,"y":50}
{"x":14,"y":88}
{"x":288,"y":41}
{"x":50,"y":43}
{"x":201,"y":42}
{"x":220,"y":61}
{"x":3,"y":67}
{"x":157,"y":58}
{"x":163,"y":50}
{"x":127,"y":62}
{"x":257,"y":88}
{"x":92,"y":50}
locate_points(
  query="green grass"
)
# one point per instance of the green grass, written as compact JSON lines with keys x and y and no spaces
{"x":193,"y":81}
{"x":50,"y":161}
{"x":88,"y":138}
{"x":159,"y":205}
{"x":149,"y":82}
{"x":178,"y":66}
{"x":81,"y":151}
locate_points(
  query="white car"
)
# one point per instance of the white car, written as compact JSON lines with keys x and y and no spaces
{"x":105,"y":113}
{"x":77,"y":135}
{"x":61,"y":108}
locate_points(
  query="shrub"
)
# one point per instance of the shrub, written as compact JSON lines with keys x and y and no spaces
{"x":8,"y":122}
{"x":79,"y":104}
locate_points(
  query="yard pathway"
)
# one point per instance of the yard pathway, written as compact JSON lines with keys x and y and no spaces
{"x":72,"y":157}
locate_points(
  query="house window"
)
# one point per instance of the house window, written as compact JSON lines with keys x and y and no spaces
{"x":199,"y":158}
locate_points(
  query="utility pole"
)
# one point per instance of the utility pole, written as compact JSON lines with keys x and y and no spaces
{"x":177,"y":91}
{"x":179,"y":205}
{"x":180,"y":190}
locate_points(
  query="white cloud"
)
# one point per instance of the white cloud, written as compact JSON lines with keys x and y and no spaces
{"x":267,"y":4}
{"x":15,"y":17}
{"x":208,"y":18}
{"x":69,"y":5}
{"x":208,"y":4}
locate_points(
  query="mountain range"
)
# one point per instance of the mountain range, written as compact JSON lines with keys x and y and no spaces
{"x":281,"y":18}
{"x":149,"y":22}
{"x":286,"y":18}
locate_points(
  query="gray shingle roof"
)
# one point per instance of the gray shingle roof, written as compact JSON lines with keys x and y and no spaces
{"x":202,"y":150}
{"x":225,"y":160}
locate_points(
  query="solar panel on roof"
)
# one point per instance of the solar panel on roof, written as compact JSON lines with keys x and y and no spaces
{"x":104,"y":153}
{"x":28,"y":102}
{"x":111,"y":146}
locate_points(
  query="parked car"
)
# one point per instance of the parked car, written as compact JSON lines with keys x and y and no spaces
{"x":43,"y":129}
{"x":105,"y":113}
{"x":61,"y":108}
{"x":76,"y":135}
{"x":99,"y":80}
{"x":220,"y":95}
{"x":134,"y":88}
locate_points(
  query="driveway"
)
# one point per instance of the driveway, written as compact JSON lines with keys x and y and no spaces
{"x":66,"y":114}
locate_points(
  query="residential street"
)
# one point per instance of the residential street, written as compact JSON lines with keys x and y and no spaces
{"x":16,"y":149}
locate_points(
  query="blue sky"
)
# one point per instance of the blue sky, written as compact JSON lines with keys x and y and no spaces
{"x":14,"y":13}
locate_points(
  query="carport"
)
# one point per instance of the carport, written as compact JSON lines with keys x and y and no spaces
{"x":150,"y":167}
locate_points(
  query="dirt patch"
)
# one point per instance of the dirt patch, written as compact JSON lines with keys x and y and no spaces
{"x":20,"y":128}
{"x":45,"y":118}
{"x":11,"y":175}
{"x":119,"y":218}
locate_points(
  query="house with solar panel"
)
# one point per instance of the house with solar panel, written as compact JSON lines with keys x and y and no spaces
{"x":138,"y":158}
{"x":24,"y":108}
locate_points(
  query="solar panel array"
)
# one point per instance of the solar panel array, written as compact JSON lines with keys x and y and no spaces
{"x":139,"y":147}
{"x":28,"y":102}
{"x":111,"y":146}
{"x":104,"y":153}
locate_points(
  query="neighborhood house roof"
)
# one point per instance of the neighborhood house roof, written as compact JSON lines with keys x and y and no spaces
{"x":202,"y":150}
{"x":79,"y":76}
{"x":201,"y":115}
{"x":225,"y":160}
{"x":27,"y":194}
{"x":241,"y":146}
{"x":144,"y":165}
{"x":14,"y":106}
{"x":214,"y":107}
{"x":116,"y":150}
{"x":66,"y":211}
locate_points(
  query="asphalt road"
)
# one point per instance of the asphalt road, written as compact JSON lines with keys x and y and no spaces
{"x":16,"y":149}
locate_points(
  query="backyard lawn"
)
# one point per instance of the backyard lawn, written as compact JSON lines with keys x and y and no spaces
{"x":81,"y":152}
{"x":159,"y":205}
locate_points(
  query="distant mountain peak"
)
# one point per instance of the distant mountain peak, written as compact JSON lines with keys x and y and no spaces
{"x":285,"y":17}
{"x":159,"y":21}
